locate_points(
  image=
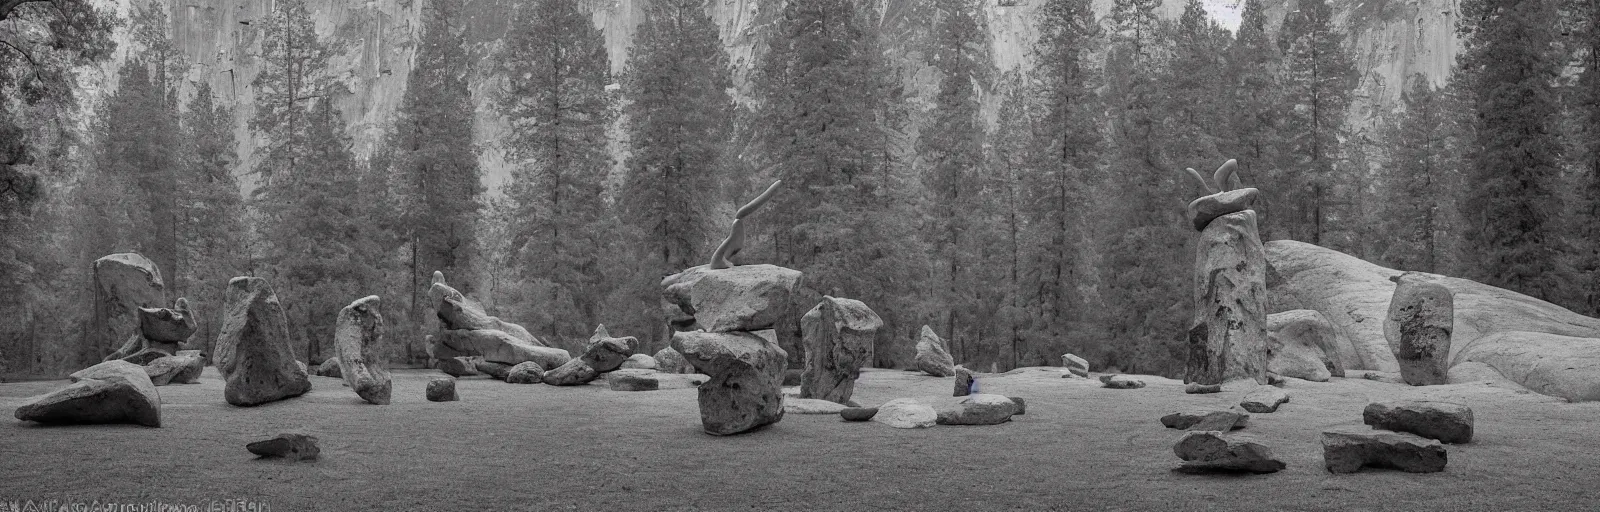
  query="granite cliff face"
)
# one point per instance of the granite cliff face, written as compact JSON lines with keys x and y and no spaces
{"x":1390,"y":39}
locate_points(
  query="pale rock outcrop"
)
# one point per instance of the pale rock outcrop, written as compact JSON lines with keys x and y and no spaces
{"x":357,"y":334}
{"x":906,"y":413}
{"x":253,"y":353}
{"x":110,"y":392}
{"x":838,"y":335}
{"x":1303,"y":344}
{"x":932,"y":356}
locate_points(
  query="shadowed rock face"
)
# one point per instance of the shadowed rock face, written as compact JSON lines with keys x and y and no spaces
{"x":838,"y":334}
{"x":746,"y":387}
{"x":1302,"y":344}
{"x":357,"y":334}
{"x":1421,"y":315}
{"x":492,"y":345}
{"x":109,"y":392}
{"x":1347,"y":450}
{"x":932,"y":357}
{"x":1228,"y":339}
{"x":253,"y":352}
{"x":123,"y":283}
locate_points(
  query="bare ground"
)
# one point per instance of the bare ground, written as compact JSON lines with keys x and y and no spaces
{"x":538,"y":447}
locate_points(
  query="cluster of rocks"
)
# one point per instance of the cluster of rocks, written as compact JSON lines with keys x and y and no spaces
{"x":1208,"y":443}
{"x":128,"y":292}
{"x":974,"y":409}
{"x":735,"y":310}
{"x":466,"y":331}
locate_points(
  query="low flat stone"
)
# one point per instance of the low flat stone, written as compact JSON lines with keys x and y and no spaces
{"x":793,"y":405}
{"x":114,"y":391}
{"x":526,"y":372}
{"x":1195,"y":388}
{"x":497,"y":371}
{"x":1444,"y":421}
{"x":1207,"y":451}
{"x":1209,"y":420}
{"x":641,"y":362}
{"x":442,"y":389}
{"x":1206,"y":209}
{"x":1022,"y":407}
{"x":184,"y":369}
{"x":287,"y":446}
{"x":638,"y":379}
{"x":457,"y":366}
{"x":1348,"y":450}
{"x":1264,"y":399}
{"x":978,"y":409}
{"x":906,"y":413}
{"x":858,"y":413}
{"x":1120,"y":382}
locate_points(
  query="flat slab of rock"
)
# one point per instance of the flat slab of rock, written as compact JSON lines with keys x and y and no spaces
{"x":1210,"y":420}
{"x":1349,"y":450}
{"x":1206,"y":209}
{"x":287,"y":446}
{"x":442,"y":389}
{"x":838,"y":335}
{"x":858,"y":413}
{"x":114,"y":391}
{"x":1071,"y":361}
{"x":932,"y":356}
{"x":792,"y":405}
{"x":1444,"y":421}
{"x":1418,"y":327}
{"x":457,"y":312}
{"x":978,"y":409}
{"x":638,"y":379}
{"x":526,"y":372}
{"x":493,"y":345}
{"x":1195,"y":388}
{"x":253,"y":352}
{"x":357,"y":334}
{"x":1205,"y":451}
{"x":906,"y":413}
{"x":1120,"y":382}
{"x":641,"y":362}
{"x":184,"y":369}
{"x":497,"y":371}
{"x":1264,"y":399}
{"x":735,"y":299}
{"x":746,"y":387}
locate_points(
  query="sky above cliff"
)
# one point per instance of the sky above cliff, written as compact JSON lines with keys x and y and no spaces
{"x":1225,"y":12}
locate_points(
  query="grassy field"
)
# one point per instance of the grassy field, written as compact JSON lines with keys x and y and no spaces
{"x":539,"y":447}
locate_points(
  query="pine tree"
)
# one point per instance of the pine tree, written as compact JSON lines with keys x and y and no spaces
{"x":1509,"y":66}
{"x":210,"y":225}
{"x":1318,"y":80}
{"x":559,"y":109}
{"x":434,"y":166}
{"x":1255,"y":118}
{"x":1415,"y":181}
{"x":678,"y":119}
{"x":293,"y":76}
{"x":1585,"y":112}
{"x":1011,"y":155}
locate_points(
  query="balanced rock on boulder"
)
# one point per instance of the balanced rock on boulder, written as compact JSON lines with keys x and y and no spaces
{"x":1444,"y":421}
{"x":603,"y":354}
{"x":1418,"y":327}
{"x":180,"y":369}
{"x":1204,"y":451}
{"x":932,"y":357}
{"x":123,"y":283}
{"x":357,"y":333}
{"x":109,"y":392}
{"x":1348,"y":450}
{"x":253,"y":353}
{"x":162,"y":332}
{"x":838,"y":336}
{"x":745,"y":391}
{"x":735,"y":299}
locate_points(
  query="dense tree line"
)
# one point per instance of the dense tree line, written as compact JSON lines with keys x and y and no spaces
{"x":1021,"y":213}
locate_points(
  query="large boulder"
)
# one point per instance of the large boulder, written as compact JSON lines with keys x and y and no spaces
{"x":1303,"y":344}
{"x":978,"y":409}
{"x":1421,"y":315}
{"x":670,"y":361}
{"x":109,"y":392}
{"x":838,"y":335}
{"x":1539,"y":345}
{"x":1445,"y":421}
{"x":253,"y":353}
{"x":527,"y":372}
{"x":603,"y":354}
{"x":493,"y":345}
{"x":162,"y":332}
{"x":182,"y":369}
{"x":357,"y":334}
{"x":457,"y":312}
{"x":746,"y":387}
{"x":123,"y":283}
{"x":741,"y":298}
{"x":932,"y":357}
{"x":906,"y":413}
{"x":1216,"y":420}
{"x":441,"y":389}
{"x":1348,"y":450}
{"x":1204,"y":450}
{"x":1228,"y":338}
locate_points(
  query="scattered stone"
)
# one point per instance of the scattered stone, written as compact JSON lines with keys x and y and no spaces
{"x":288,"y":446}
{"x":641,"y":362}
{"x":442,"y":389}
{"x":736,"y":299}
{"x":493,"y":345}
{"x":357,"y":333}
{"x":745,"y":391}
{"x":838,"y":336}
{"x":906,"y":413}
{"x":110,"y":392}
{"x":1222,"y":421}
{"x":526,"y":372}
{"x":1071,"y":361}
{"x":499,"y":371}
{"x":978,"y":409}
{"x":964,"y":382}
{"x":629,"y":379}
{"x":858,"y":413}
{"x":184,"y":369}
{"x":792,"y":405}
{"x":457,"y":366}
{"x":456,"y":312}
{"x":671,"y":361}
{"x":1264,"y":399}
{"x":1120,"y":382}
{"x":1228,"y":339}
{"x":1195,"y":388}
{"x":1447,"y":422}
{"x":1421,"y":318}
{"x":253,"y":352}
{"x":932,"y":357}
{"x":1022,"y":407}
{"x":123,"y":283}
{"x":1303,"y":344}
{"x":1204,"y":451}
{"x":1347,"y":451}
{"x":328,"y":368}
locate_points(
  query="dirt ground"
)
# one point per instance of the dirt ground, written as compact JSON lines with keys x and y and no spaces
{"x":539,"y":447}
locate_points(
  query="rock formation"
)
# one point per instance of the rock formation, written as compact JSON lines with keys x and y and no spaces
{"x":287,"y":446}
{"x":742,"y":298}
{"x":1348,"y":450}
{"x":178,"y":369}
{"x":838,"y":334}
{"x":162,"y":332}
{"x":1228,"y":338}
{"x":603,"y":354}
{"x":1076,"y":365}
{"x":123,"y":283}
{"x":978,"y":409}
{"x":456,"y":312}
{"x":358,"y":332}
{"x":1444,"y":421}
{"x":441,"y":389}
{"x":745,"y":390}
{"x":906,"y":413}
{"x":109,"y":392}
{"x":1421,"y":316}
{"x":1214,"y":451}
{"x":932,"y":357}
{"x":527,"y":372}
{"x":1303,"y":344}
{"x":492,"y":345}
{"x":670,"y":361}
{"x":253,"y":353}
{"x":1264,"y":399}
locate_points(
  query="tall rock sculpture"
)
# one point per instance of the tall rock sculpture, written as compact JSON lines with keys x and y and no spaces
{"x":162,"y":332}
{"x":253,"y":352}
{"x":123,"y":283}
{"x":456,"y":312}
{"x":1418,"y":328}
{"x":838,"y":339}
{"x":357,"y":334}
{"x":1228,"y":339}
